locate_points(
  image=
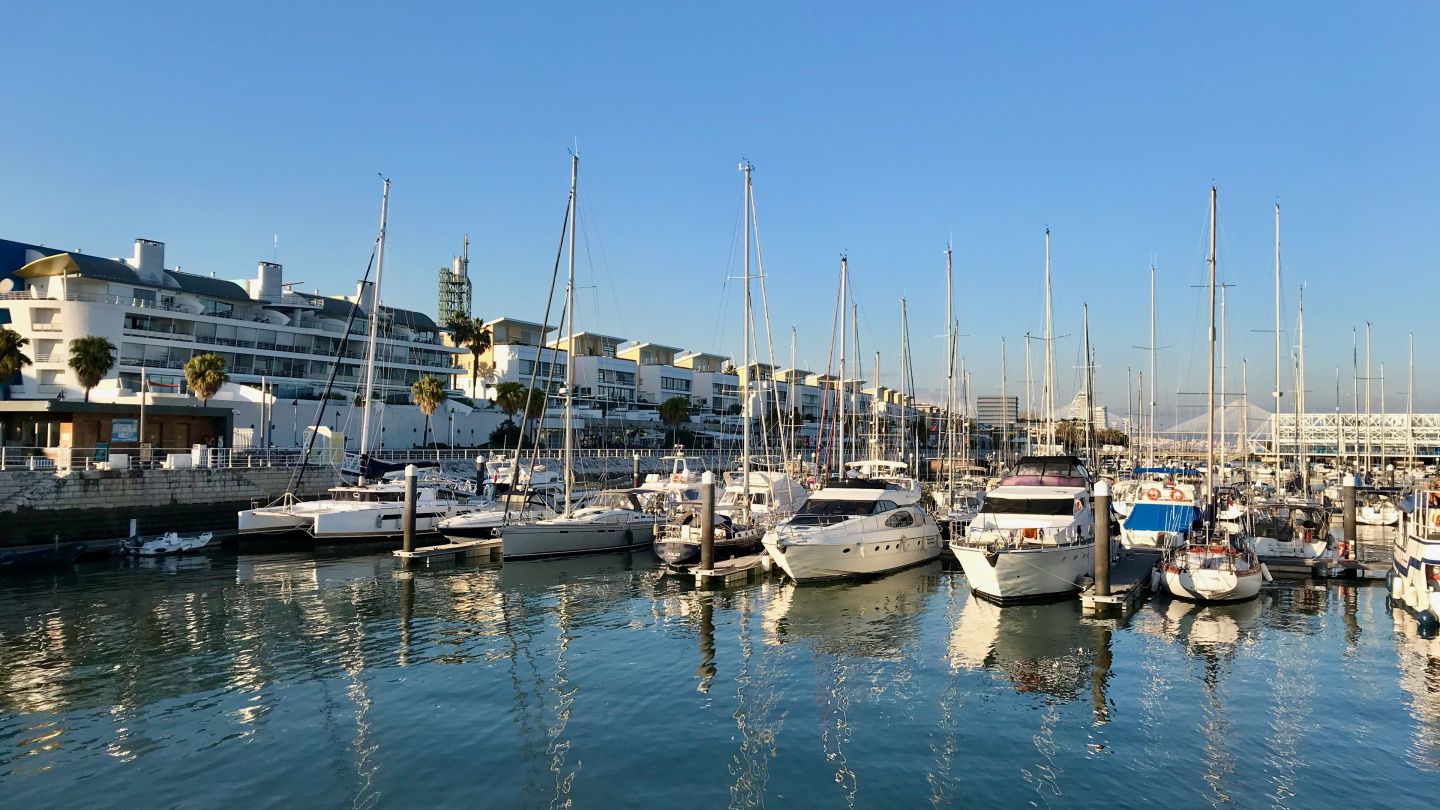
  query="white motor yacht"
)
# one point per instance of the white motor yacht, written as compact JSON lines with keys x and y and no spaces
{"x":1414,"y":579}
{"x":1376,"y":509}
{"x":370,"y":511}
{"x":681,"y":484}
{"x":610,"y":520}
{"x":854,"y":527}
{"x":1035,"y":535}
{"x":893,"y":473}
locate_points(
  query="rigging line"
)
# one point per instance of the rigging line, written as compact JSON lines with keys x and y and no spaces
{"x":535,"y":371}
{"x":299,"y":475}
{"x":605,"y":264}
{"x":820,"y":440}
{"x":717,"y":335}
{"x":769,"y":338}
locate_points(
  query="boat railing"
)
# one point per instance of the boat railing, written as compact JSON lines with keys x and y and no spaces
{"x":1424,"y":520}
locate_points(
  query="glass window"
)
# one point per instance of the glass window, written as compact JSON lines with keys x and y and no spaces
{"x":900,"y":519}
{"x":1044,"y":507}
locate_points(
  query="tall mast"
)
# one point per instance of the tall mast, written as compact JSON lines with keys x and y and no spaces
{"x":1049,"y":355}
{"x":1382,"y":416}
{"x":949,"y":380}
{"x":1244,"y":445}
{"x":1029,"y":396}
{"x":1089,"y":395}
{"x":570,"y":346}
{"x":1004,"y":425}
{"x":1300,"y":447}
{"x":1275,"y":424}
{"x":876,"y":448}
{"x":1409,"y":406}
{"x":1151,"y":457}
{"x":1210,"y":401}
{"x":1368,"y":440}
{"x":790,"y":387}
{"x":1355,"y":391}
{"x":374,"y":332}
{"x":747,"y":371}
{"x":904,"y":369}
{"x":1130,"y":404}
{"x":840,"y":392}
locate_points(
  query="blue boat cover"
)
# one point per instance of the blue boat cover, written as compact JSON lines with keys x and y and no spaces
{"x":1161,"y":517}
{"x":1168,"y":471}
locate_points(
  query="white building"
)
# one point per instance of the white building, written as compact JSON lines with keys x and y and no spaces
{"x":515,"y":351}
{"x":601,"y":378}
{"x":657,"y":376}
{"x":713,"y":391}
{"x":158,"y":318}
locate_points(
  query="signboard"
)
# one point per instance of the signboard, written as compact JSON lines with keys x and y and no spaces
{"x":102,"y":451}
{"x":124,"y":430}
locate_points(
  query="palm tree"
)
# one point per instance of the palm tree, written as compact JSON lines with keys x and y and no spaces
{"x":429,"y":394}
{"x":205,"y":373}
{"x":470,"y":333}
{"x":11,"y":358}
{"x":510,"y":398}
{"x":91,"y":358}
{"x":675,"y":412}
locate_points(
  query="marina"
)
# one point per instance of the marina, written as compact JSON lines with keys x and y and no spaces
{"x":901,"y":689}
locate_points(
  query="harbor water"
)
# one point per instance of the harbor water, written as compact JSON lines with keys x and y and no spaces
{"x":330,"y":679}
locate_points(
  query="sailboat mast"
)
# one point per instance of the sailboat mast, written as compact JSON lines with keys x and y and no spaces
{"x":840,"y":391}
{"x":374,"y":331}
{"x":569,"y":462}
{"x":1089,"y":394}
{"x":1300,"y":447}
{"x":949,"y":379}
{"x":1224,"y":377}
{"x":1275,"y":425}
{"x":1244,"y":442}
{"x":1151,"y":457}
{"x":904,"y":369}
{"x":1210,"y":401}
{"x":745,"y":368}
{"x":1049,"y":355}
{"x":1369,"y":447}
{"x":1410,"y":406}
{"x":876,"y":448}
{"x":1029,"y":397}
{"x":790,"y":397}
{"x":1004,"y":407}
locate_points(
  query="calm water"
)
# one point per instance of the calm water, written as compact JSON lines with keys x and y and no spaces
{"x":334,"y":680}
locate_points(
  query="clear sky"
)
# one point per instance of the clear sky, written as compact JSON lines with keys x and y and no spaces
{"x":882,"y":131}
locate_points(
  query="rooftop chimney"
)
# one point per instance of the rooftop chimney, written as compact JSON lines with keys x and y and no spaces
{"x":149,"y":261}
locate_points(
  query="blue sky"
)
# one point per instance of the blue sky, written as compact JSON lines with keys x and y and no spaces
{"x":877,"y":130}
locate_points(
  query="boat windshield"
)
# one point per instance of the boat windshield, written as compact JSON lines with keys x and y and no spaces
{"x":1045,"y":507}
{"x":611,"y":500}
{"x":825,"y":512}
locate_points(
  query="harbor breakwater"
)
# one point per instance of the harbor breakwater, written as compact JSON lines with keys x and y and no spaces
{"x":84,"y":506}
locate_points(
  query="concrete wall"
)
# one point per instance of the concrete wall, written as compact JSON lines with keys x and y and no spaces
{"x":98,"y":505}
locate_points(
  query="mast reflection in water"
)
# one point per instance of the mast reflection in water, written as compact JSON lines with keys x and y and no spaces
{"x":338,"y":680}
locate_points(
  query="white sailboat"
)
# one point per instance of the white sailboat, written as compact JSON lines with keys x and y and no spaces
{"x":1213,"y":565}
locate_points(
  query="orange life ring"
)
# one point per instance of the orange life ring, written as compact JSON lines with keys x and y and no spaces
{"x":1177,"y":495}
{"x":1153,"y":494}
{"x":678,"y":478}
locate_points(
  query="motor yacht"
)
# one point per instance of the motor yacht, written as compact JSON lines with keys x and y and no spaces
{"x":1290,"y":529}
{"x":1377,"y":509}
{"x":483,"y":522}
{"x":853,"y":527}
{"x":1034,"y":537}
{"x":895,"y":474}
{"x":373,"y":511}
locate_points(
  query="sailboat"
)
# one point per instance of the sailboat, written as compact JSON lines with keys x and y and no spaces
{"x":373,"y":510}
{"x":1213,"y":565}
{"x":749,"y":498}
{"x":611,"y":520}
{"x":854,"y":526}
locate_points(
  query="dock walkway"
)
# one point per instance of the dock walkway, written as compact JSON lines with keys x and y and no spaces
{"x":1129,"y":583}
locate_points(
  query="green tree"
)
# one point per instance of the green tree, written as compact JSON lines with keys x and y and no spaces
{"x":429,"y":394}
{"x":12,"y":359}
{"x":204,"y":374}
{"x":509,"y":398}
{"x":675,"y":412}
{"x":91,"y":358}
{"x":470,"y":333}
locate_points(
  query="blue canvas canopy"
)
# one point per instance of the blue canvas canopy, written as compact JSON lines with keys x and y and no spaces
{"x":1161,"y":517}
{"x":1168,"y":471}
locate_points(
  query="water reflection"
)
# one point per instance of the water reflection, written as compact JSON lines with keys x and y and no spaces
{"x":342,"y":679}
{"x":876,"y":618}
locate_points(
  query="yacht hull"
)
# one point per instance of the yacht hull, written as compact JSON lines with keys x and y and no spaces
{"x":1026,"y":574}
{"x":540,"y":540}
{"x":1211,"y":585}
{"x":822,"y":561}
{"x":273,"y":520}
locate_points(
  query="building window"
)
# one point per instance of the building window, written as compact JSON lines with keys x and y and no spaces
{"x":673,"y":384}
{"x":610,"y":375}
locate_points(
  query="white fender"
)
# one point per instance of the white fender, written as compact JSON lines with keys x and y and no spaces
{"x":1265,"y":573}
{"x":1422,"y":600}
{"x":1397,"y":588}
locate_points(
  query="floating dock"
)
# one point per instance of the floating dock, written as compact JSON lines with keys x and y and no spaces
{"x":731,"y":571}
{"x":452,"y":551}
{"x":1325,"y":568}
{"x":1129,"y":583}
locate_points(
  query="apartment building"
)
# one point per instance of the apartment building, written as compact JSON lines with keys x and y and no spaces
{"x":657,"y":376}
{"x":715,"y":390}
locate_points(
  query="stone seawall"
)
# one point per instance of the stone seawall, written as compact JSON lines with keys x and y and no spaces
{"x":35,"y":507}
